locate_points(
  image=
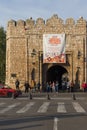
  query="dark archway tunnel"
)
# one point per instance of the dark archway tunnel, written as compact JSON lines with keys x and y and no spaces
{"x":56,"y":73}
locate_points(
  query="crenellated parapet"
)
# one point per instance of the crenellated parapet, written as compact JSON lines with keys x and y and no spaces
{"x":30,"y":23}
{"x":81,"y":22}
{"x":15,"y":28}
{"x":70,"y":22}
{"x":80,"y":27}
{"x":40,"y":21}
{"x":54,"y":21}
{"x":51,"y":25}
{"x":11,"y":23}
{"x":20,"y":23}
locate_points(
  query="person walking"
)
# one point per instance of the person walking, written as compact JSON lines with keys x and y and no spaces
{"x":72,"y":86}
{"x":17,"y":83}
{"x":53,"y":86}
{"x":38,"y":86}
{"x":68,"y":85}
{"x":56,"y":86}
{"x":27,"y":86}
{"x":63,"y":85}
{"x":48,"y":87}
{"x":84,"y":86}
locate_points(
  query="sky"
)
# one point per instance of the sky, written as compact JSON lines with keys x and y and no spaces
{"x":24,"y":9}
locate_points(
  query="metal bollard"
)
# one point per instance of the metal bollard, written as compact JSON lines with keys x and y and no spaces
{"x":30,"y":96}
{"x":74,"y":97}
{"x":48,"y":97}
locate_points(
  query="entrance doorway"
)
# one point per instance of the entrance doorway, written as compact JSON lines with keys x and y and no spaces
{"x":56,"y":73}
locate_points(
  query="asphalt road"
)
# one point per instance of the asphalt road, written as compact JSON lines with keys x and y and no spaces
{"x":59,"y":113}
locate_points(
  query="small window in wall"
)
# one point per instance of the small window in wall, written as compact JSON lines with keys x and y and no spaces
{"x":33,"y":74}
{"x":13,"y":75}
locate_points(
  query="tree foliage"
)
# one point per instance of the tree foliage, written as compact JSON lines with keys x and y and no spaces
{"x":2,"y":53}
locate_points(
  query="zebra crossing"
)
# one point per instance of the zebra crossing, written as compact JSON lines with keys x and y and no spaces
{"x":9,"y":108}
{"x":77,"y":107}
{"x":61,"y":107}
{"x":43,"y":107}
{"x":25,"y":108}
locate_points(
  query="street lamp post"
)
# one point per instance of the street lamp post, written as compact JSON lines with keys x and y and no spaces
{"x":34,"y":52}
{"x":72,"y":67}
{"x":70,"y":53}
{"x":78,"y":57}
{"x":39,"y":66}
{"x":78,"y":70}
{"x":78,"y":67}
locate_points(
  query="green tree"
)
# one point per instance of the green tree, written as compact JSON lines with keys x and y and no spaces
{"x":2,"y":54}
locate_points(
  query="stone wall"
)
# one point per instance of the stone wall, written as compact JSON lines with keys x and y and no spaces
{"x":24,"y":36}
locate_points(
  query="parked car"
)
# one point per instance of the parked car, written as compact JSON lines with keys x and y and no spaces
{"x":7,"y":91}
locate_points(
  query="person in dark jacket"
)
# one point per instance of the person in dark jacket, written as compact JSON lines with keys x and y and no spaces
{"x":27,"y":86}
{"x":17,"y":83}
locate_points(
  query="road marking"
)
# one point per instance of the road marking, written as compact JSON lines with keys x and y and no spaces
{"x":39,"y":98}
{"x":44,"y":98}
{"x":55,"y":123}
{"x":61,"y":107}
{"x":2,"y":103}
{"x":44,"y":107}
{"x":78,"y":107}
{"x":9,"y":107}
{"x":26,"y":108}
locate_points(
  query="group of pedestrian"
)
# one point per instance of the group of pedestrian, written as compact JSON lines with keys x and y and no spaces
{"x":26,"y":85}
{"x":68,"y":85}
{"x":52,"y":86}
{"x":55,"y":86}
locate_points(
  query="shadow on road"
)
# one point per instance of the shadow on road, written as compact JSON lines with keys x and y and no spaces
{"x":22,"y":120}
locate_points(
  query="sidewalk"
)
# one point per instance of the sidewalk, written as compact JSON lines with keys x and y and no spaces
{"x":54,"y":94}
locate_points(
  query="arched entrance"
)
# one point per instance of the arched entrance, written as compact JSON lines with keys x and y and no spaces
{"x":56,"y":73}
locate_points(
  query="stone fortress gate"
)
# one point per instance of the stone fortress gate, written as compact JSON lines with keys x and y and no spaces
{"x":24,"y":51}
